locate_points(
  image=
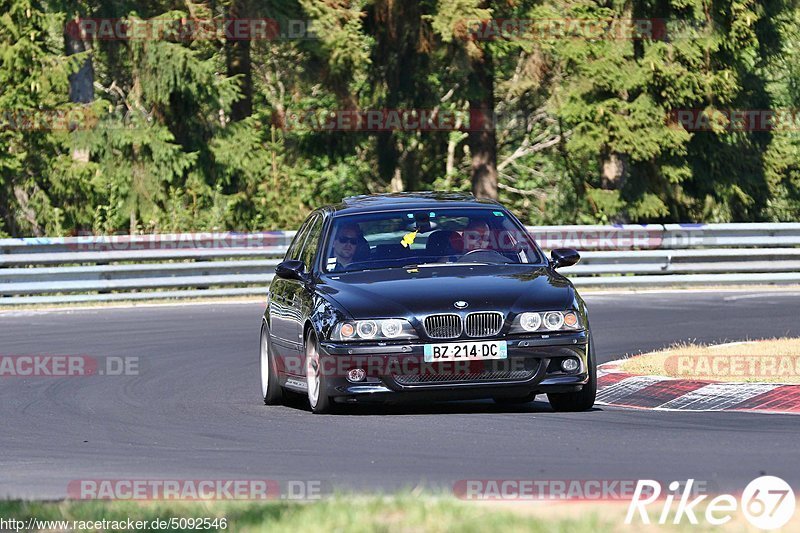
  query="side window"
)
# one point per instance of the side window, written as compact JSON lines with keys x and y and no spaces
{"x":297,"y":243}
{"x":312,"y":243}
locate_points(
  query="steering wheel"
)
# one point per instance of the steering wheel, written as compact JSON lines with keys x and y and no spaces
{"x":489,"y":256}
{"x":477,"y":250}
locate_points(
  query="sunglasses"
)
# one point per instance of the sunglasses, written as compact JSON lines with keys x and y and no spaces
{"x":345,"y":240}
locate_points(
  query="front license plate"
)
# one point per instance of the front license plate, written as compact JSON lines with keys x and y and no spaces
{"x":460,"y":351}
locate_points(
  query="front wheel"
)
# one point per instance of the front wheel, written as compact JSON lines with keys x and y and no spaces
{"x":271,"y":390}
{"x":582,"y":400}
{"x":318,"y":398}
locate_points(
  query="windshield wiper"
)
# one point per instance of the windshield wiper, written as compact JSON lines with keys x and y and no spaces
{"x":454,"y":263}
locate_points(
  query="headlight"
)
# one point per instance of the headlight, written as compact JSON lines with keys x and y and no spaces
{"x":379,"y":329}
{"x":391,"y":328}
{"x":367,"y":329}
{"x":530,"y":321}
{"x":553,"y":320}
{"x":546,"y":321}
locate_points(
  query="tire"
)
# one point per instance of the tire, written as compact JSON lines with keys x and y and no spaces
{"x":582,"y":400}
{"x":511,"y":400}
{"x":319,"y":401}
{"x":271,"y":390}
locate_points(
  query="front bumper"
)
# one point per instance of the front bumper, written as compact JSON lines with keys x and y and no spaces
{"x":398,"y":370}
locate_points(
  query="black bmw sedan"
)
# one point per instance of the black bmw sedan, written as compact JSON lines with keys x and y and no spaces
{"x":427,"y":296}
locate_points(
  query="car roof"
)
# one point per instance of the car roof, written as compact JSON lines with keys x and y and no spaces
{"x":407,"y":200}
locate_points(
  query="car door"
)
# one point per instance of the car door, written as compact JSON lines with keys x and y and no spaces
{"x":302,"y":294}
{"x":282,"y":327}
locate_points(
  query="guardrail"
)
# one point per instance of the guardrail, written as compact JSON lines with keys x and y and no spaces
{"x":86,"y":269}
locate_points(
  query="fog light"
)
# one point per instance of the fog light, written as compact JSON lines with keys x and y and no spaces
{"x":569,"y":365}
{"x":355,"y":375}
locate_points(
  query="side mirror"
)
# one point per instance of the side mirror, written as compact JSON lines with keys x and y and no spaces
{"x":564,"y":257}
{"x":291,"y":269}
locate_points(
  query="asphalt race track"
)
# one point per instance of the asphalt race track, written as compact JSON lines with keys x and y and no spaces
{"x":194,"y":412}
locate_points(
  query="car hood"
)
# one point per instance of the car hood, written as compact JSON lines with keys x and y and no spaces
{"x":404,"y":292}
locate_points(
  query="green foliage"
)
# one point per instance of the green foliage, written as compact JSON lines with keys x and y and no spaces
{"x":33,"y":83}
{"x":585,"y":125}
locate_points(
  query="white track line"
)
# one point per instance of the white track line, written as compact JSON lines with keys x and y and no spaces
{"x":717,"y":396}
{"x":625,"y":388}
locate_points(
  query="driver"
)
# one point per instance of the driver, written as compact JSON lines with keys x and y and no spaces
{"x":345,"y":245}
{"x":477,"y":236}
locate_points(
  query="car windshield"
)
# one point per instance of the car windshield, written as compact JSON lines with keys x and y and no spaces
{"x":424,"y":237}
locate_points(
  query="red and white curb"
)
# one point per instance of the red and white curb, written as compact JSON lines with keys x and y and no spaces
{"x":617,"y":388}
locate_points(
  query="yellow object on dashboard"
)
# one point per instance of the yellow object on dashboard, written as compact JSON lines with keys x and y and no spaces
{"x":408,"y":239}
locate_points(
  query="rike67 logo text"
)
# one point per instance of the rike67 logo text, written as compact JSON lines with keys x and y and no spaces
{"x":767,"y":503}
